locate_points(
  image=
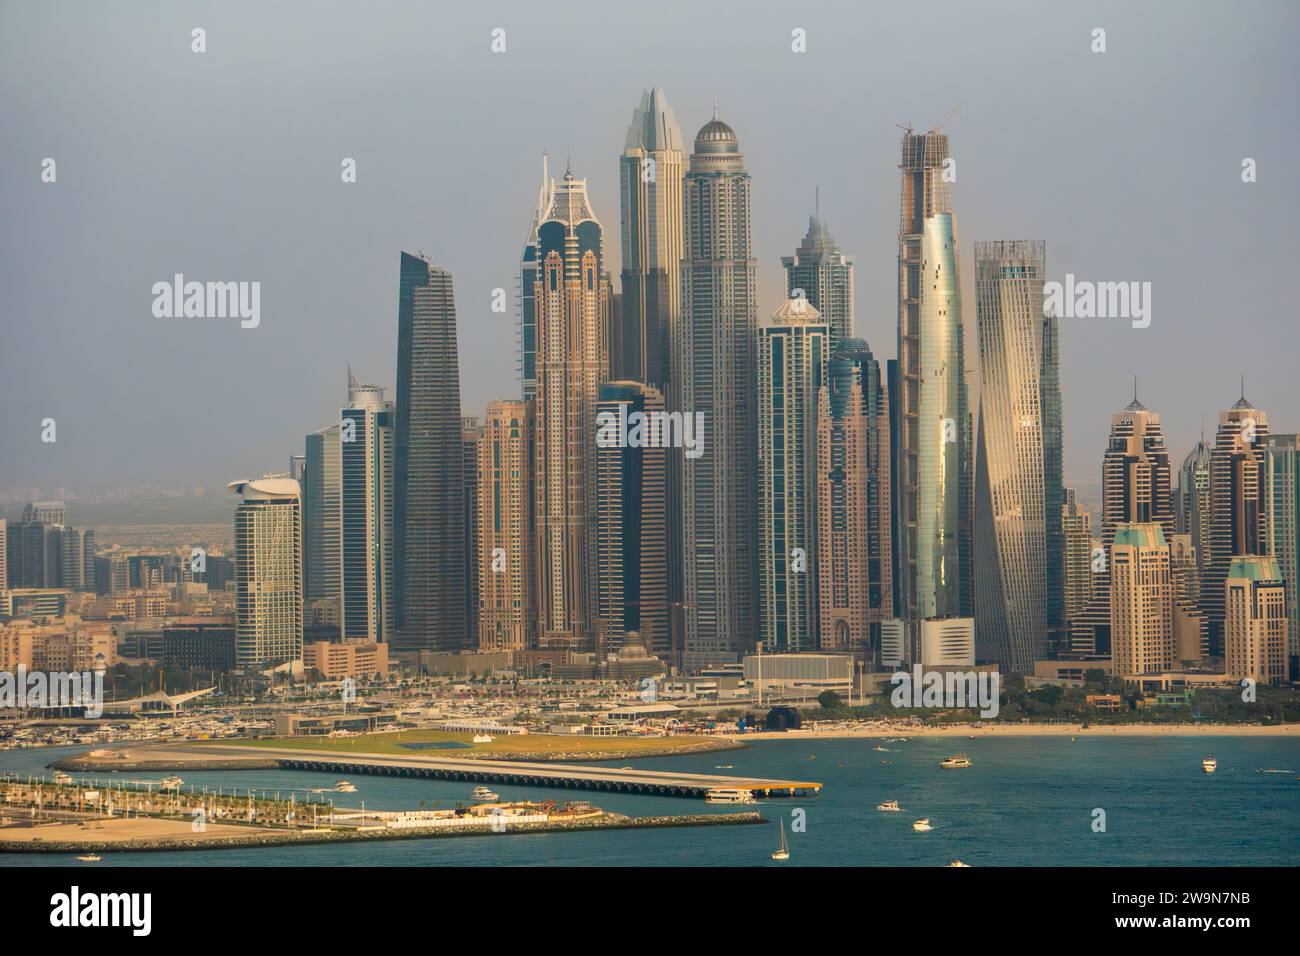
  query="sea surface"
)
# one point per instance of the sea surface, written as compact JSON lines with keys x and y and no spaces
{"x":1026,"y":801}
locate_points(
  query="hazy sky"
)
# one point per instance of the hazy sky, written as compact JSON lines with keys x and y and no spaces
{"x":226,"y":166}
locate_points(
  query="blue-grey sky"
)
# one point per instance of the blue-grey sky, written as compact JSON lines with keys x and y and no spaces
{"x":226,"y":166}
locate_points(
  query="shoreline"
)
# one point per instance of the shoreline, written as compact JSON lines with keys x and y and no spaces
{"x":987,"y":730}
{"x":222,"y":839}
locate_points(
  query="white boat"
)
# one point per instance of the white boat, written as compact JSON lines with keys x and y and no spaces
{"x":730,"y":795}
{"x":958,"y":863}
{"x":89,"y":858}
{"x":344,"y":786}
{"x":955,"y":762}
{"x":171,"y":783}
{"x":1209,"y":764}
{"x":784,"y":852}
{"x":883,"y":750}
{"x":921,"y":825}
{"x":61,"y":777}
{"x":889,"y":806}
{"x":483,"y":793}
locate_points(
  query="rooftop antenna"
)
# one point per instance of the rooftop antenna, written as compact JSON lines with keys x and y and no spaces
{"x":1135,"y":388}
{"x":1243,"y":386}
{"x":817,"y":201}
{"x":715,"y":104}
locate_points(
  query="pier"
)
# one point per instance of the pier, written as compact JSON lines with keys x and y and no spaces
{"x":665,"y":783}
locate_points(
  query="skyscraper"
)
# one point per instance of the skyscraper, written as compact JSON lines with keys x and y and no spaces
{"x":527,"y":291}
{"x":1283,"y":461}
{"x":1076,"y":560}
{"x":1255,"y":625}
{"x":1135,"y":490}
{"x":322,"y":535}
{"x":1010,"y":524}
{"x":854,"y":567}
{"x":825,"y":276}
{"x":507,"y":610}
{"x":1049,"y":390}
{"x":650,"y":206}
{"x":1192,"y":501}
{"x":650,"y":192}
{"x":1238,"y":504}
{"x":1141,"y":600}
{"x":572,"y":303}
{"x":631,"y":532}
{"x":428,"y":514}
{"x":471,"y":433}
{"x":792,"y":352}
{"x":268,"y":572}
{"x":366,"y":513}
{"x":78,"y":560}
{"x":932,"y":445}
{"x":714,"y":375}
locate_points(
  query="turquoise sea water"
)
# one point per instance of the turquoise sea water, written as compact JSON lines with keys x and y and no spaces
{"x":1026,"y":801}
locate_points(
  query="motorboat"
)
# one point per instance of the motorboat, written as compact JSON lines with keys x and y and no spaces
{"x":1209,"y":764}
{"x":922,"y":825}
{"x":483,"y":793}
{"x":889,"y":806}
{"x":955,"y":762}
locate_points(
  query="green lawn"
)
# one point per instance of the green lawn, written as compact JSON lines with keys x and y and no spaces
{"x":540,"y":744}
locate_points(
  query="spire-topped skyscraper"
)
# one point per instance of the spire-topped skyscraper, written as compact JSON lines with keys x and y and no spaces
{"x":650,"y":214}
{"x":933,"y":460}
{"x":1135,"y":490}
{"x":713,"y":374}
{"x":1238,"y":504}
{"x":572,"y":300}
{"x":527,"y":301}
{"x":825,"y":275}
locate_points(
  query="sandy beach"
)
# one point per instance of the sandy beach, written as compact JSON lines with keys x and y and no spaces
{"x":991,"y":729}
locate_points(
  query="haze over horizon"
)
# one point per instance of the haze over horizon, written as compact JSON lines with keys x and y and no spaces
{"x":225,"y":167}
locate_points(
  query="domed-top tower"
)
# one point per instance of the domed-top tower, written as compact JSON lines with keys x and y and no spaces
{"x":713,"y":374}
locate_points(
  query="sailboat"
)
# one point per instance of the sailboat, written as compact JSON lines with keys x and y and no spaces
{"x":784,"y":852}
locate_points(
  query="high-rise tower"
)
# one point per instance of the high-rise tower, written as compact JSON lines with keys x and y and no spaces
{"x":1238,"y":504}
{"x":854,"y":570}
{"x":713,"y":374}
{"x":1010,"y":521}
{"x":428,"y":514}
{"x":825,"y":276}
{"x":792,"y":353}
{"x":1284,"y":528}
{"x":572,"y":303}
{"x":631,"y":537}
{"x":268,"y":572}
{"x":366,"y":513}
{"x":1141,"y":601}
{"x":1135,"y":490}
{"x":507,"y":612}
{"x":322,"y":539}
{"x":932,"y":444}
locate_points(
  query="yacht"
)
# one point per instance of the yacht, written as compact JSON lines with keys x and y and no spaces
{"x":955,"y":762}
{"x":89,"y":858}
{"x":921,"y":825}
{"x":1209,"y":764}
{"x":483,"y":793}
{"x":889,"y":806}
{"x":784,"y":852}
{"x":958,"y":863}
{"x":171,"y":783}
{"x":344,"y":786}
{"x":730,"y":795}
{"x":61,"y":777}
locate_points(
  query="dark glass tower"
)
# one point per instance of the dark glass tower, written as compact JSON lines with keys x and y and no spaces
{"x":429,"y":504}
